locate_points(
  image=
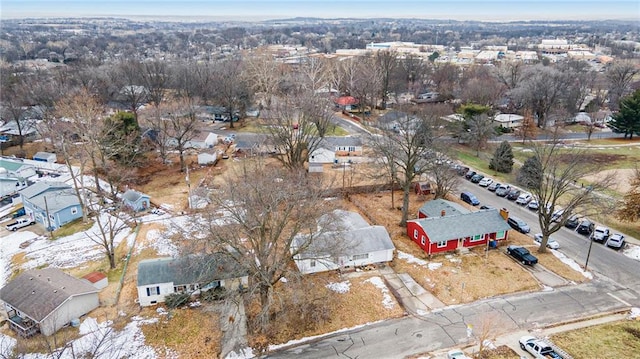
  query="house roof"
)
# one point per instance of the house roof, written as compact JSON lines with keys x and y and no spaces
{"x":55,"y":200}
{"x":41,"y":187}
{"x":506,"y":117}
{"x":38,"y":292}
{"x":188,"y":270}
{"x":344,"y":141}
{"x":43,"y":155}
{"x":435,"y":207}
{"x":133,"y":196}
{"x":445,"y":228}
{"x":13,"y":166}
{"x":355,"y":236}
{"x":95,"y":277}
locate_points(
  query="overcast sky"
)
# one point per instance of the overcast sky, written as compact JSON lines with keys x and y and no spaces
{"x":504,"y":10}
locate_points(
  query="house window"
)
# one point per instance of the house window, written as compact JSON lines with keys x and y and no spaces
{"x":477,"y":237}
{"x":415,"y":233}
{"x":442,"y":244}
{"x":179,"y":289}
{"x":500,"y":235}
{"x":352,"y":149}
{"x":153,"y":291}
{"x":424,"y":240}
{"x":313,"y":263}
{"x":51,"y":217}
{"x":361,"y":256}
{"x":74,"y":210}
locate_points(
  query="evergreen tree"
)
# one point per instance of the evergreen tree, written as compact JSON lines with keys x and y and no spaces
{"x":627,"y":121}
{"x":502,"y":160}
{"x":530,"y":174}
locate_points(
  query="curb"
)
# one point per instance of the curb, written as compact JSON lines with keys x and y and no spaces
{"x":584,"y":319}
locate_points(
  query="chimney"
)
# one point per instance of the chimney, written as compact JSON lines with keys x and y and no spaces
{"x":504,"y":213}
{"x":443,"y":213}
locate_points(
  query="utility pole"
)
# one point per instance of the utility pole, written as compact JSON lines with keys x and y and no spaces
{"x":588,"y":254}
{"x":188,"y":188}
{"x":46,"y":208}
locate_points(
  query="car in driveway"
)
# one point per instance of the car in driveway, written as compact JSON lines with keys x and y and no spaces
{"x":485,"y":182}
{"x":615,"y":241}
{"x":585,"y":227}
{"x":533,"y":205}
{"x":551,"y":243}
{"x":477,"y":178}
{"x":469,"y":198}
{"x":600,"y":234}
{"x":572,"y":222}
{"x":522,"y":255}
{"x":456,"y":354}
{"x":524,"y":198}
{"x":519,"y":225}
{"x":493,"y":186}
{"x":503,"y":190}
{"x":513,"y":194}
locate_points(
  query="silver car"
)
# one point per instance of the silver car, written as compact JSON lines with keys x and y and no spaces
{"x":551,"y":243}
{"x":615,"y":241}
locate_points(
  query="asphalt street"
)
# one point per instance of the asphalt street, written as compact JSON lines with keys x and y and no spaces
{"x":448,"y":327}
{"x":603,"y":261}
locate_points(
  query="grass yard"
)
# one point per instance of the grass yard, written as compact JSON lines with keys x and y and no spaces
{"x":613,"y":340}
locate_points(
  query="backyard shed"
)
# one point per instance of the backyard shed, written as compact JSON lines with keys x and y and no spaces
{"x":45,"y":157}
{"x":97,"y":279}
{"x":136,"y":201}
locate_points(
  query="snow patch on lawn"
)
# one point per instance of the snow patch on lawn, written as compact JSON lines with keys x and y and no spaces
{"x":571,"y":263}
{"x":411,"y":259}
{"x":7,"y":344}
{"x":339,"y":287}
{"x":632,"y":252}
{"x":435,"y":265}
{"x":161,"y":243}
{"x":387,"y":300}
{"x":635,"y":314}
{"x":245,"y":353}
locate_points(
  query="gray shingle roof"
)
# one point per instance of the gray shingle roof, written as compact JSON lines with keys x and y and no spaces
{"x":56,"y":200}
{"x":187,"y":270}
{"x":40,"y":187}
{"x":343,"y":141}
{"x":38,"y":292}
{"x":463,"y":225}
{"x":435,"y":207}
{"x":355,"y":237}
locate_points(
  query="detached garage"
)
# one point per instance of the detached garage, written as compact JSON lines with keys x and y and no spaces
{"x":45,"y":157}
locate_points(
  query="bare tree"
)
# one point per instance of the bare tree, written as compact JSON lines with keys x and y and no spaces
{"x":263,"y":74}
{"x":178,"y":125}
{"x":630,"y":209}
{"x":386,"y":67}
{"x":509,"y":73}
{"x":156,"y":79}
{"x":404,"y":145}
{"x":16,"y":110}
{"x":299,"y":126}
{"x":110,"y":226}
{"x":131,"y":85}
{"x":232,"y":91}
{"x":265,"y":212}
{"x":540,"y":90}
{"x":620,"y":76}
{"x":440,"y":169}
{"x":552,"y":178}
{"x":528,"y":129}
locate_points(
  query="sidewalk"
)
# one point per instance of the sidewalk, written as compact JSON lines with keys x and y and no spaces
{"x":414,"y":298}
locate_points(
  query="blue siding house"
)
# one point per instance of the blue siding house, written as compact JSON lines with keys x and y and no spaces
{"x":136,"y":201}
{"x":57,"y":199}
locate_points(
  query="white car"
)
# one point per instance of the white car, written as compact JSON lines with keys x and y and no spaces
{"x":551,"y":243}
{"x":615,"y":241}
{"x":555,"y":217}
{"x":533,"y":205}
{"x":485,"y":182}
{"x":524,"y":198}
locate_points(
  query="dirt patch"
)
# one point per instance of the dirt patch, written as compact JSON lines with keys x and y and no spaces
{"x":593,"y":158}
{"x":622,"y":178}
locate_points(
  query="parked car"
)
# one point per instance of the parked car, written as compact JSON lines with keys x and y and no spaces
{"x":20,"y":223}
{"x":538,"y":348}
{"x":572,"y":222}
{"x":468,"y":197}
{"x":503,"y":190}
{"x":551,"y":243}
{"x":533,"y":205}
{"x":493,"y":186}
{"x":485,"y":182}
{"x":470,"y":174}
{"x":585,"y":227}
{"x":477,"y":178}
{"x":513,"y":194}
{"x":519,"y":225}
{"x":557,"y":214}
{"x":524,"y":198}
{"x":600,"y":234}
{"x":616,"y":241}
{"x":522,"y":255}
{"x":462,"y":170}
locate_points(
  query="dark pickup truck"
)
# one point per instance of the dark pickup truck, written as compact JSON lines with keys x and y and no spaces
{"x":522,"y":255}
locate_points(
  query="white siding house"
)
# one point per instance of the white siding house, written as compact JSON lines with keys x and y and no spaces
{"x":45,"y":300}
{"x":508,"y":120}
{"x":160,"y":277}
{"x":358,"y":244}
